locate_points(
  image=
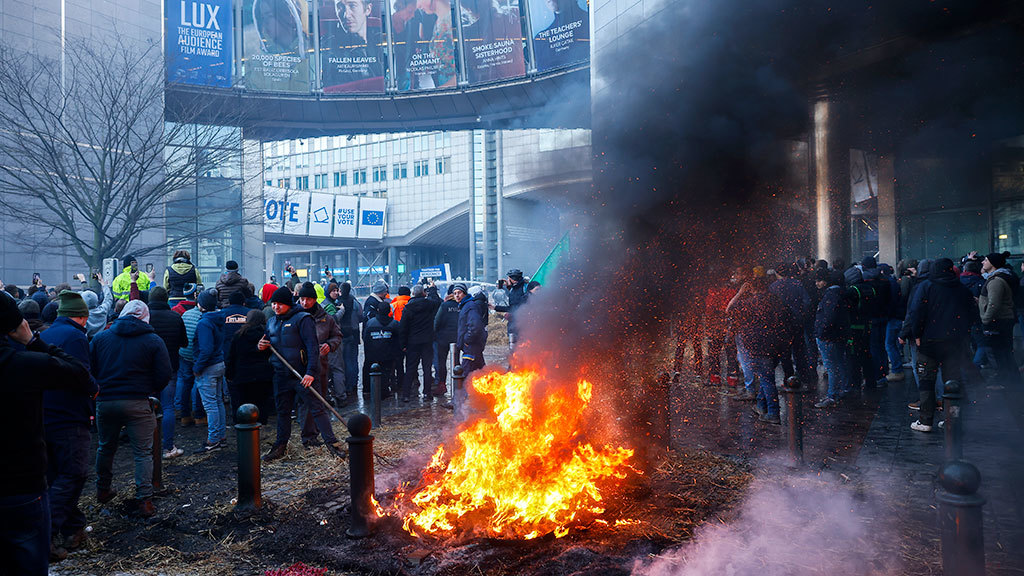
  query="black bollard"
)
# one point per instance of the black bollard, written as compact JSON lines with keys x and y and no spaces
{"x":794,"y":420}
{"x":375,"y":393}
{"x":458,"y":388}
{"x":250,"y":494}
{"x":158,"y":451}
{"x":960,"y":520}
{"x":952,"y":397}
{"x":360,"y":462}
{"x":658,"y":412}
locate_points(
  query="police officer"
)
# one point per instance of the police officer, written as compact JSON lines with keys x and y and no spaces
{"x":292,"y":333}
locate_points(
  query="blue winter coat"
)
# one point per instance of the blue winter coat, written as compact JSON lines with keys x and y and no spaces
{"x":472,"y":336}
{"x":293,"y":335}
{"x":209,"y":347}
{"x":832,"y":321}
{"x":129,"y":361}
{"x":67,"y":408}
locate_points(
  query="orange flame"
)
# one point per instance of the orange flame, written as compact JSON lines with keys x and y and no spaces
{"x":520,"y":472}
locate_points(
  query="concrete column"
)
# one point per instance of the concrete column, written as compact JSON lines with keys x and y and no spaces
{"x":253,"y":261}
{"x":353,"y":266}
{"x":888,"y":234}
{"x":830,"y":164}
{"x":393,"y":268}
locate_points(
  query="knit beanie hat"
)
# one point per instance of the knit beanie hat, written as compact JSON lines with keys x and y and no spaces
{"x":283,"y":296}
{"x":332,"y":286}
{"x":189,"y":289}
{"x":72,"y":305}
{"x":10,"y":316}
{"x":267,"y":291}
{"x":136,"y":308}
{"x":158,"y":294}
{"x":404,"y":291}
{"x":869,"y":262}
{"x":231,"y":265}
{"x":380,"y":287}
{"x":127,"y":260}
{"x":207,"y":300}
{"x":236,"y":298}
{"x":997,"y":259}
{"x":307,"y":290}
{"x":29,"y":309}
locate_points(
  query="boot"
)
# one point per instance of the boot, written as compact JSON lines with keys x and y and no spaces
{"x":75,"y":541}
{"x":57,"y":553}
{"x":146,"y":508}
{"x":187,"y":421}
{"x":276,"y":453}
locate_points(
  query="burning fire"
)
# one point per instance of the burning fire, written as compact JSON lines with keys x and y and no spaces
{"x":520,"y":472}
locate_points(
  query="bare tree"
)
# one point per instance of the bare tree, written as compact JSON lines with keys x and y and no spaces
{"x":87,"y":158}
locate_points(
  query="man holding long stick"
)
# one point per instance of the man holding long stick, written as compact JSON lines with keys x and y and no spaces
{"x":293,"y":334}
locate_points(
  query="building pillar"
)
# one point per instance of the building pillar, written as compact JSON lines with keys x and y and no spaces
{"x":352,"y":265}
{"x":393,"y":267}
{"x":830,"y":166}
{"x":254,"y":264}
{"x":888,"y":234}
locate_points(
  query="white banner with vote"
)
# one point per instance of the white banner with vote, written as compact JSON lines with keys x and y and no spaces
{"x":346,"y":209}
{"x":296,"y":212}
{"x":372,"y":215}
{"x":273,"y":209}
{"x":321,"y":208}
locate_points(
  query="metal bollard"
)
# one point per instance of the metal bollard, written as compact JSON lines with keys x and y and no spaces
{"x":659,"y":412}
{"x":360,"y":462}
{"x":158,"y":451}
{"x":794,"y":420}
{"x":458,"y":387}
{"x":952,"y":398}
{"x":375,"y":395}
{"x":250,"y":494}
{"x":453,"y":361}
{"x":960,"y":520}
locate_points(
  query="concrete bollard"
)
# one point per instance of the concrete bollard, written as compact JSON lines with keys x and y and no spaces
{"x":360,"y":462}
{"x":158,"y":450}
{"x":960,"y":520}
{"x":458,"y":389}
{"x":250,"y":494}
{"x":375,"y":393}
{"x":952,"y":399}
{"x":794,"y":420}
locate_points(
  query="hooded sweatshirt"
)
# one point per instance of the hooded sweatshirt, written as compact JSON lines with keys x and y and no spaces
{"x":98,"y":313}
{"x":942,"y":309}
{"x":129,"y":361}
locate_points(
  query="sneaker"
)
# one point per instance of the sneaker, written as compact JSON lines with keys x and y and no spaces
{"x":733,"y":381}
{"x":920,"y":427}
{"x":146,"y":508}
{"x":896,"y":377}
{"x":207,"y":447}
{"x":745,"y":395}
{"x":771,"y":419}
{"x":276,"y":453}
{"x":758,"y":410}
{"x":914,"y":405}
{"x":104,"y":496}
{"x":942,"y":424}
{"x":825,"y":403}
{"x":337,"y":450}
{"x":715,"y":380}
{"x":173,"y":453}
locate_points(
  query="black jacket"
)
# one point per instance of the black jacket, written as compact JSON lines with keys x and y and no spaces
{"x":129,"y":361}
{"x":245,"y":363}
{"x":381,"y":340}
{"x":228,"y":283}
{"x":23,"y":376}
{"x":293,"y":335}
{"x":170,"y":328}
{"x":518,"y":295}
{"x":417,"y":326}
{"x":942,"y":309}
{"x":66,"y":408}
{"x":446,"y":322}
{"x":832,"y":321}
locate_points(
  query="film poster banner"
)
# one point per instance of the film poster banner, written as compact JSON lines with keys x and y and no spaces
{"x":372,"y":215}
{"x":493,"y":37}
{"x":346,"y":211}
{"x":352,"y":46}
{"x":277,"y":43}
{"x":423,"y":40}
{"x":321,"y":210}
{"x":273,"y":209}
{"x":199,"y":42}
{"x":296,"y":212}
{"x":564,"y":33}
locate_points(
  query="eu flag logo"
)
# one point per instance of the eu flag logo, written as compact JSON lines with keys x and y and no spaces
{"x":373,"y":217}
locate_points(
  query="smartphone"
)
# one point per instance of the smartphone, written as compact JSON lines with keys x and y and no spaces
{"x":35,"y":277}
{"x":149,"y":267}
{"x":80,"y":277}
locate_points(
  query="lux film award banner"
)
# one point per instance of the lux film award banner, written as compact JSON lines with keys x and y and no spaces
{"x":296,"y":212}
{"x":273,"y":209}
{"x":276,"y":43}
{"x":321,"y":209}
{"x":372,"y":215}
{"x":198,"y":42}
{"x":346,"y":211}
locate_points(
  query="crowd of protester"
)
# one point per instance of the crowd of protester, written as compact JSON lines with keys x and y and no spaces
{"x":861,"y":323}
{"x":88,"y":360}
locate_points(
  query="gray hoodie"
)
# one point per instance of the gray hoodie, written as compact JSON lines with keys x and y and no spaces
{"x":97,"y":312}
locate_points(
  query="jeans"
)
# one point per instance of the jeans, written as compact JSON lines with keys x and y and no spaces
{"x":441,"y":353}
{"x":834,"y":355}
{"x":286,"y":388}
{"x":879,"y":357}
{"x":167,"y":425}
{"x":350,"y":353}
{"x":67,"y":455}
{"x":138,"y":418}
{"x":185,"y":398}
{"x":999,"y":336}
{"x":768,"y":395}
{"x":744,"y":359}
{"x":892,"y":345}
{"x":422,"y":355}
{"x":210,"y":385}
{"x":933,"y":355}
{"x":25,"y":534}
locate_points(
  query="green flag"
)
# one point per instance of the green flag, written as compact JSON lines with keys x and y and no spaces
{"x":550,"y":264}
